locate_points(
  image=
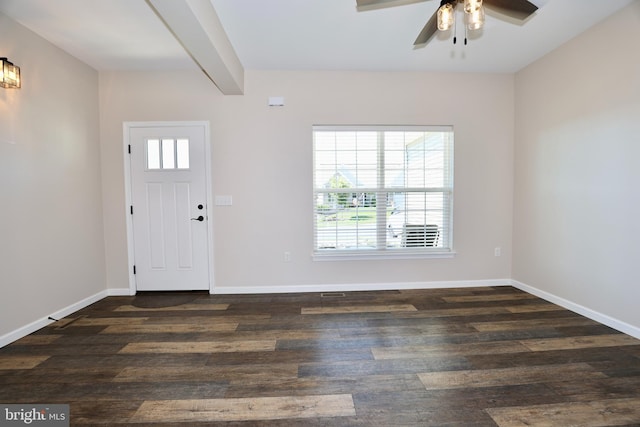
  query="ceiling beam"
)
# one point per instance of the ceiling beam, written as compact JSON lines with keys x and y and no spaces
{"x":196,"y":25}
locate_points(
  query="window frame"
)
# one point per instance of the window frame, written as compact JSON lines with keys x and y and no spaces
{"x":386,"y":252}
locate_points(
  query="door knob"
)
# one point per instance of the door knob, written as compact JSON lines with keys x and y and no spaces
{"x":200,"y":218}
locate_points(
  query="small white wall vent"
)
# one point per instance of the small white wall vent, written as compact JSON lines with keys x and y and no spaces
{"x":276,"y":101}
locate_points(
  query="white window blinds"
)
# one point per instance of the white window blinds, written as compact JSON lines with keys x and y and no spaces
{"x":383,"y":189}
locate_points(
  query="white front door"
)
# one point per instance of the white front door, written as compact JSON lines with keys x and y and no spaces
{"x":169,"y":207}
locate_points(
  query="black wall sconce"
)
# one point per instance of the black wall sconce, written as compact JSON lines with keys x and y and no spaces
{"x":9,"y":74}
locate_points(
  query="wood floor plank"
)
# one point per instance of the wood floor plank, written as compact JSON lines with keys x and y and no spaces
{"x":585,"y":414}
{"x":404,"y":331}
{"x":199,"y":347}
{"x":214,"y":317}
{"x":511,"y":325}
{"x":568,"y":343}
{"x":381,"y":353}
{"x":122,"y":361}
{"x":245,"y":409}
{"x":61,"y":347}
{"x":616,"y":357}
{"x":254,"y":372}
{"x":37,"y":340}
{"x":288,"y":356}
{"x":329,"y":344}
{"x":598,"y":388}
{"x":358,"y":309}
{"x":286,"y":334}
{"x":102,"y":413}
{"x":534,"y":308}
{"x":110,"y":321}
{"x":455,"y":312}
{"x":67,"y":375}
{"x":21,"y":362}
{"x":110,"y":392}
{"x":508,"y":376}
{"x":304,"y":323}
{"x":183,"y":307}
{"x":427,"y":411}
{"x":489,"y":297}
{"x":340,"y":384}
{"x":481,"y":398}
{"x":176,"y":328}
{"x":367,"y":368}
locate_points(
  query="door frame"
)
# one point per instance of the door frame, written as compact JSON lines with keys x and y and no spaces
{"x":126,"y":129}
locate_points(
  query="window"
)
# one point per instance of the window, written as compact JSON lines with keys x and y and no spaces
{"x":383,"y":190}
{"x":167,"y":154}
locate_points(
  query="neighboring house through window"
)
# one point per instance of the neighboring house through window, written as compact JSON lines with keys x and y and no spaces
{"x":383,"y":191}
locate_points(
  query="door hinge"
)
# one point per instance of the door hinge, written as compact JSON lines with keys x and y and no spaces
{"x":131,"y":209}
{"x":134,"y":269}
{"x":129,"y":148}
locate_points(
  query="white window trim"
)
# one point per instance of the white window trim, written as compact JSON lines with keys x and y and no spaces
{"x":378,"y":254}
{"x":356,"y":255}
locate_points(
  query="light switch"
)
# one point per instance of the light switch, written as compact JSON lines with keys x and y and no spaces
{"x":224,"y":200}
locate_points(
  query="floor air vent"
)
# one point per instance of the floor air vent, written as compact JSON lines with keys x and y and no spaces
{"x":332,"y":294}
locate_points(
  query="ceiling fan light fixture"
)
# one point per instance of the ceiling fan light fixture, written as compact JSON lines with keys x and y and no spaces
{"x":471,"y":6}
{"x":446,"y":13}
{"x":475,"y":19}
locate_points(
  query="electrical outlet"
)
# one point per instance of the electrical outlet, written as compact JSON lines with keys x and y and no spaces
{"x":497,"y":251}
{"x":287,"y":256}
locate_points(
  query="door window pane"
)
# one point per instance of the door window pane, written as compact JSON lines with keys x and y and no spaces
{"x":168,"y":154}
{"x":182,"y":152}
{"x":153,"y":154}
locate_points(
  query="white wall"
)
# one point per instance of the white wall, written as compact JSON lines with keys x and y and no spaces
{"x":262,"y":157}
{"x":577,"y":174}
{"x":51,"y":231}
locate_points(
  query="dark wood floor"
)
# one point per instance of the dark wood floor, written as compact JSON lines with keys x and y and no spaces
{"x":449,"y":357}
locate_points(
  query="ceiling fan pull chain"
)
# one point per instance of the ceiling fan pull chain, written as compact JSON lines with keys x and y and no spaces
{"x":465,"y":35}
{"x":455,"y":30}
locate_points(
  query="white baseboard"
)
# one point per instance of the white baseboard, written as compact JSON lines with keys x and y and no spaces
{"x":120,"y":292}
{"x":616,"y":324}
{"x":41,"y":323}
{"x":352,"y":287}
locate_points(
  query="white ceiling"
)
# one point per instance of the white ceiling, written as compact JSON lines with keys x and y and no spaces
{"x":306,"y":34}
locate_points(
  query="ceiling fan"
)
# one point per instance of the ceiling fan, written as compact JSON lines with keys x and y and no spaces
{"x":443,"y":18}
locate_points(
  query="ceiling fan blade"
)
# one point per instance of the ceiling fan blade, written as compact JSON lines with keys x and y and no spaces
{"x":380,"y":4}
{"x":518,"y":9}
{"x":361,"y":3}
{"x":428,"y":31}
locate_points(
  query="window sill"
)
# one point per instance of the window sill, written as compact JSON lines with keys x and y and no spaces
{"x":347,"y":255}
